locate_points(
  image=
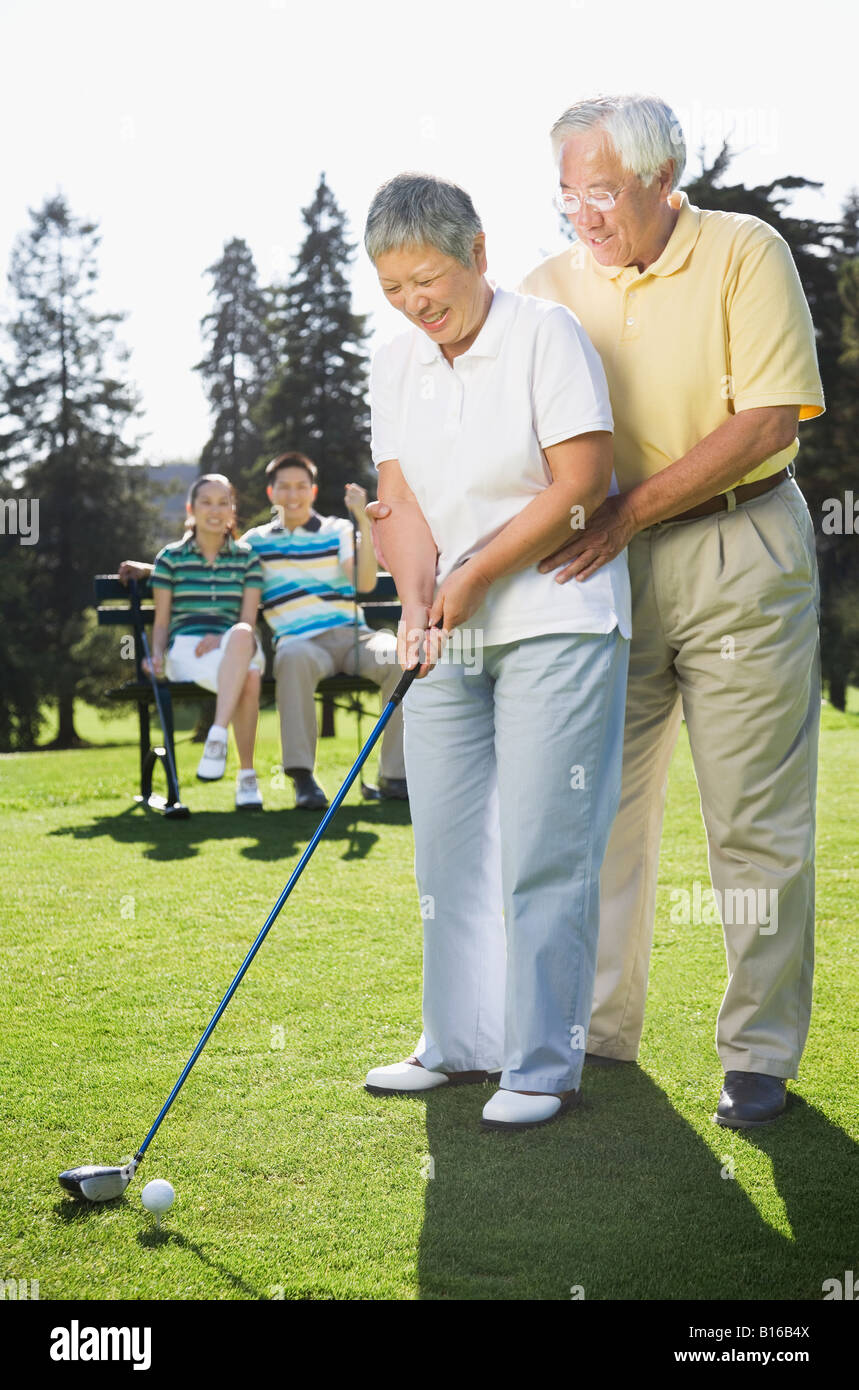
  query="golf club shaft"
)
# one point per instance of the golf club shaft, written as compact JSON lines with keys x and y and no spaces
{"x":396,"y":697}
{"x":358,"y":707}
{"x":167,"y":749}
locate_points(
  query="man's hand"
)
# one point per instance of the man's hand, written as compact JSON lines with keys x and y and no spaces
{"x":208,"y":643}
{"x":460,"y":595}
{"x":377,"y":511}
{"x":609,"y":530}
{"x":134,"y":569}
{"x":155,"y":666}
{"x":356,"y":500}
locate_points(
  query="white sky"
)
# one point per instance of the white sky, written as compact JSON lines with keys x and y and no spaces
{"x":177,"y":124}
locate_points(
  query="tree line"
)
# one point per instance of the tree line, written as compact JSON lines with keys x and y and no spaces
{"x":285,"y":366}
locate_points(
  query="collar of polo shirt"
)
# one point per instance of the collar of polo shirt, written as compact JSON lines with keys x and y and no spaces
{"x":488,"y":341}
{"x":677,"y":250}
{"x":313,"y":523}
{"x":226,"y":543}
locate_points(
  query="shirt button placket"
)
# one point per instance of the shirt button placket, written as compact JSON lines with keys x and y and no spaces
{"x":629,"y":314}
{"x":454,"y":410}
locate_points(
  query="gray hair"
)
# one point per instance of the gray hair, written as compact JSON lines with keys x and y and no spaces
{"x":644,"y":131}
{"x":422,"y":210}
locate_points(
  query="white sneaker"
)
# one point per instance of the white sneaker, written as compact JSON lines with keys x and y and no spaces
{"x":248,"y":795}
{"x":515,"y":1110}
{"x":214,"y":760}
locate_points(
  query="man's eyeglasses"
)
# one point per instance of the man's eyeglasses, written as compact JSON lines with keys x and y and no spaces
{"x":570,"y":203}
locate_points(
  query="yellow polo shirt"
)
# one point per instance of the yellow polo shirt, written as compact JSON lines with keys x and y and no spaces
{"x":716,"y":325}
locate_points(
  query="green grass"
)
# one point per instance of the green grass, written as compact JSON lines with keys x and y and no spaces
{"x":121,"y":931}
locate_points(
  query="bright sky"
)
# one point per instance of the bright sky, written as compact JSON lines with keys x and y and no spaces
{"x":177,"y":124}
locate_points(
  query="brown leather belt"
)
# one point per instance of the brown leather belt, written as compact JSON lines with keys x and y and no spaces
{"x":727,"y":501}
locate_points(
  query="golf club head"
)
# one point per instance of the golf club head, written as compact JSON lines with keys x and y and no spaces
{"x":177,"y":811}
{"x":92,"y":1183}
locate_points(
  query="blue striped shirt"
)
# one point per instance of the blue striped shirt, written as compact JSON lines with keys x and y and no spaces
{"x":305,"y":587}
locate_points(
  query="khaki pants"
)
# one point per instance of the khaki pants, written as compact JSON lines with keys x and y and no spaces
{"x":725,"y":628}
{"x":300,"y":663}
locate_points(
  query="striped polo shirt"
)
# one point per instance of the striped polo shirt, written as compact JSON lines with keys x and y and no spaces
{"x":207,"y":595}
{"x":305,"y":588}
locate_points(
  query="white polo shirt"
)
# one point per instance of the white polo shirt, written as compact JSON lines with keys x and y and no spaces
{"x":469,"y":437}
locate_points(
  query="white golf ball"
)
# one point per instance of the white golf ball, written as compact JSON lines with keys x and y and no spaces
{"x":157,"y":1195}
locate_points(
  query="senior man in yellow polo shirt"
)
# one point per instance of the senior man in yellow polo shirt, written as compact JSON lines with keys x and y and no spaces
{"x":708,"y":346}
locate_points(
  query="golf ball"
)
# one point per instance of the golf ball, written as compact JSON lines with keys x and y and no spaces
{"x":157,"y":1195}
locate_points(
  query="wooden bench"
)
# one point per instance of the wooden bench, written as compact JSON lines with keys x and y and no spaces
{"x":115,"y":608}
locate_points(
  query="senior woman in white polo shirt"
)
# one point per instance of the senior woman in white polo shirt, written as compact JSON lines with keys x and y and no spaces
{"x":492,"y":436}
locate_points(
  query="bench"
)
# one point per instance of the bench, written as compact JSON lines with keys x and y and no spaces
{"x":115,"y":607}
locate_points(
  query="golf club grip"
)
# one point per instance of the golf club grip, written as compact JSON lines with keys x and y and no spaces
{"x":404,"y":682}
{"x":407,"y":677}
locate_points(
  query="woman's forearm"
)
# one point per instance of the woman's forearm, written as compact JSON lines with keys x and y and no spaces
{"x":159,"y":639}
{"x":581,"y":469}
{"x":405,"y":538}
{"x":548,"y":520}
{"x":161,"y":621}
{"x":410,"y":551}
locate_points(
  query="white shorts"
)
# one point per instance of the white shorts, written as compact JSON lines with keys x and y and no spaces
{"x":182,"y":664}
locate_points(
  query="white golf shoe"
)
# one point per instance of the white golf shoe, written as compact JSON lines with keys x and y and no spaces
{"x":248,"y":794}
{"x":409,"y":1078}
{"x":403,"y":1077}
{"x":515,"y":1110}
{"x":214,"y":760}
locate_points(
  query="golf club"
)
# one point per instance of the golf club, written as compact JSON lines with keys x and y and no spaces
{"x":99,"y":1184}
{"x":174,"y":807}
{"x":368,"y":793}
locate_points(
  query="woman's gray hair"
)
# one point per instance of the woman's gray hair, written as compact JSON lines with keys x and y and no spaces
{"x":422,"y":210}
{"x":644,"y":131}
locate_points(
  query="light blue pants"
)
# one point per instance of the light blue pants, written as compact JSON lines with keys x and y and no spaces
{"x":514,"y":781}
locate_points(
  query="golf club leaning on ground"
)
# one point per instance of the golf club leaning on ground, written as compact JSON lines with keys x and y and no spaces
{"x":95,"y":1183}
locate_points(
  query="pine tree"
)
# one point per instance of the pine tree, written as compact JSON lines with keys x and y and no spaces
{"x":68,"y":409}
{"x":838,"y":549}
{"x":24,"y":675}
{"x":316,"y":401}
{"x":236,"y":366}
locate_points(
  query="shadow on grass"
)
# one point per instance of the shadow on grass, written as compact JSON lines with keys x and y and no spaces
{"x":72,"y":1212}
{"x":622,"y":1200}
{"x":279,"y":834}
{"x":154,"y":1239}
{"x":815,"y":1168}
